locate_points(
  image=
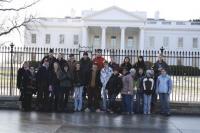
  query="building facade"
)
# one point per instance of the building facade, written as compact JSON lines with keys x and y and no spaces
{"x":114,"y":28}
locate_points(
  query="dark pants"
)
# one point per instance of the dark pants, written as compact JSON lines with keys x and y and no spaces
{"x":139,"y":102}
{"x":66,"y":98}
{"x":154,"y":97}
{"x":111,"y":102}
{"x":127,"y":102}
{"x":43,"y":98}
{"x":164,"y":102}
{"x":94,"y":96}
{"x":26,"y":101}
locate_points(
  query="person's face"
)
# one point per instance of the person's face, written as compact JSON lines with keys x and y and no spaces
{"x":32,"y":69}
{"x":59,"y":56}
{"x":115,"y":72}
{"x":99,"y":54}
{"x":66,"y":68}
{"x":126,"y":60}
{"x":132,"y":73}
{"x":77,"y":66}
{"x":85,"y":57}
{"x":72,"y":58}
{"x":26,"y":66}
{"x":50,"y":54}
{"x":141,"y":71}
{"x":46,"y":63}
{"x":160,"y":58}
{"x":140,"y":59}
{"x":163,"y":72}
{"x":106,"y":65}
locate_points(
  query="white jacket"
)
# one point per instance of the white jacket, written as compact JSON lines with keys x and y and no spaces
{"x":105,"y":75}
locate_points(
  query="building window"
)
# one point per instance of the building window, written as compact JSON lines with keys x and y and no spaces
{"x":165,"y":41}
{"x":96,"y":41}
{"x":151,"y":41}
{"x":113,"y":41}
{"x":180,"y":42}
{"x":48,"y":39}
{"x":33,"y":38}
{"x":76,"y":39}
{"x":61,"y":39}
{"x":130,"y":42}
{"x":195,"y":42}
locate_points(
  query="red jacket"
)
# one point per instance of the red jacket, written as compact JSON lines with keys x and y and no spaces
{"x":99,"y":61}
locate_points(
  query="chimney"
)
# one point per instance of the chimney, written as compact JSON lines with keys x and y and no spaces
{"x":157,"y":15}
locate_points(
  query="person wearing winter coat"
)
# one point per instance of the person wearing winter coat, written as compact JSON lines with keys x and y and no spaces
{"x":42,"y":83}
{"x":140,"y":64}
{"x":99,"y":60}
{"x":78,"y":88}
{"x":164,"y":89}
{"x":85,"y":67}
{"x":113,"y":87}
{"x":51,"y":59}
{"x":148,"y":84}
{"x":106,"y":73}
{"x":24,"y":84}
{"x":94,"y":90}
{"x":127,"y":91}
{"x":126,"y":63}
{"x":61,"y":61}
{"x":140,"y":93}
{"x":65,"y":86}
{"x":54,"y":87}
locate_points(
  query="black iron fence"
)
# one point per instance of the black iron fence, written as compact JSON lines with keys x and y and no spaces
{"x":184,"y":67}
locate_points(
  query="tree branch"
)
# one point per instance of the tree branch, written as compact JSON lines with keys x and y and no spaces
{"x":18,"y":9}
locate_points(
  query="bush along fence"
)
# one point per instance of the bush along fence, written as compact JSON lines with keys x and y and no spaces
{"x":184,"y":67}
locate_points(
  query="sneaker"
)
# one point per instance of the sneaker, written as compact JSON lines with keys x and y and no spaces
{"x":87,"y":110}
{"x":149,"y":113}
{"x":98,"y":110}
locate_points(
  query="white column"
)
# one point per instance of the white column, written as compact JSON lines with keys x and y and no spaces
{"x":141,"y":41}
{"x":122,"y":45}
{"x":84,"y":36}
{"x":103,"y":37}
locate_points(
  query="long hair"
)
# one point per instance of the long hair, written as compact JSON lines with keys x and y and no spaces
{"x":58,"y":71}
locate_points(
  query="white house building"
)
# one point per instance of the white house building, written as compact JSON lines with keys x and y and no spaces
{"x":114,"y":28}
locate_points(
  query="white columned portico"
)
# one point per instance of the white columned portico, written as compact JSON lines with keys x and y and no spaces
{"x":84,"y":36}
{"x":141,"y":45}
{"x":103,"y":37}
{"x":122,"y":45}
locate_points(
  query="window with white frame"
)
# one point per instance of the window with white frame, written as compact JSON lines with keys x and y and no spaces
{"x":130,"y":42}
{"x":76,"y":39}
{"x":48,"y":39}
{"x":180,"y":42}
{"x":165,"y":41}
{"x":33,"y":38}
{"x":195,"y":42}
{"x":96,"y":41}
{"x":113,"y":41}
{"x":61,"y":39}
{"x":152,"y":41}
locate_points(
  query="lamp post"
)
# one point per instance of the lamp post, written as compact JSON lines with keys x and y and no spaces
{"x":162,"y":50}
{"x":11,"y":68}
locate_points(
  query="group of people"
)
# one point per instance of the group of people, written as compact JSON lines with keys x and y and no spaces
{"x":95,"y":85}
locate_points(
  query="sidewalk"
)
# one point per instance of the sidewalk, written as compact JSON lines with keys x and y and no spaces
{"x":34,"y":122}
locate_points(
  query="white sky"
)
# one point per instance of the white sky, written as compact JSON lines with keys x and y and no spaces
{"x":169,"y":9}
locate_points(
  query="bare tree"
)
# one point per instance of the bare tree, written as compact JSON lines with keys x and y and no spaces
{"x":14,"y":18}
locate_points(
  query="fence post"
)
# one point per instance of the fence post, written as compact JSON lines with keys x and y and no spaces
{"x":11,"y":68}
{"x":162,"y":50}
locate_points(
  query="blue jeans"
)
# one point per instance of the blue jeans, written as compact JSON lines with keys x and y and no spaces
{"x":147,"y":103}
{"x":104,"y":98}
{"x":78,"y":93}
{"x":127,"y":101}
{"x":164,"y":101}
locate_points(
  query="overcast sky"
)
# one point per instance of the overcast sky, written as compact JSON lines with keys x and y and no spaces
{"x":169,"y":9}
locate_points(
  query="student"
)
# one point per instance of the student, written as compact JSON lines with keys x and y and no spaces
{"x":113,"y":87}
{"x":135,"y":85}
{"x":51,"y":59}
{"x":65,"y":86}
{"x":24,"y":83}
{"x":164,"y":89}
{"x":78,"y":88}
{"x":148,"y":84}
{"x":126,"y":63}
{"x":140,"y":64}
{"x":127,"y":91}
{"x":54,"y":85}
{"x":42,"y":82}
{"x":106,"y":73}
{"x":61,"y":61}
{"x":139,"y":94}
{"x":99,"y":60}
{"x":94,"y":90}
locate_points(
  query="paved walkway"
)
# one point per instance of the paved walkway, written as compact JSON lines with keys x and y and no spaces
{"x":34,"y":122}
